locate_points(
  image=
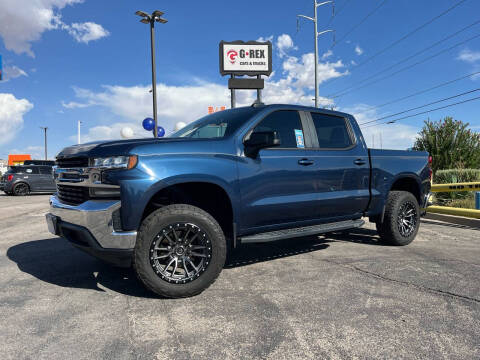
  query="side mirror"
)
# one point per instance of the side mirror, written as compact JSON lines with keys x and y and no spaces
{"x":260,"y":140}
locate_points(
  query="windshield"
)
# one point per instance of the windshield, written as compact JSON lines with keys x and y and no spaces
{"x":217,"y":125}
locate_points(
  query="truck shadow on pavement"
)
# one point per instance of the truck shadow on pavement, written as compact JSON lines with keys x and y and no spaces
{"x":55,"y":261}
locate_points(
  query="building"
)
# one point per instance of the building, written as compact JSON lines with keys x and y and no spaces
{"x":18,"y":159}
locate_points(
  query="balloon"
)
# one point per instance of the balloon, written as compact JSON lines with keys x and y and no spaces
{"x":148,"y":124}
{"x":179,"y":125}
{"x":126,"y":132}
{"x":160,"y":131}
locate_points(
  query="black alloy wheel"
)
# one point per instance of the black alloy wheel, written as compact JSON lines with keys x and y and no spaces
{"x":21,"y":189}
{"x":180,"y":252}
{"x":407,"y":219}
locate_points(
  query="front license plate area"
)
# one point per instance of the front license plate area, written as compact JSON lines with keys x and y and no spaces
{"x":52,"y":221}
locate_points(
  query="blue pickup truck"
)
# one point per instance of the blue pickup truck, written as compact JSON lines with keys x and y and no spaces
{"x":174,"y":207}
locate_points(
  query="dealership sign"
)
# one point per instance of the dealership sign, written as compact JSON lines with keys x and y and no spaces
{"x":245,"y":58}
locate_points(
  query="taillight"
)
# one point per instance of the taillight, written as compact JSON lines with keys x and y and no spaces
{"x":9,"y":177}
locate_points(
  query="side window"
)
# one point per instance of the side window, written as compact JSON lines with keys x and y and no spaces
{"x":288,"y":126}
{"x":332,"y":131}
{"x":46,"y":171}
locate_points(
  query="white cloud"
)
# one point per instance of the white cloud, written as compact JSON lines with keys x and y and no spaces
{"x":327,"y":54}
{"x":76,"y":105}
{"x":12,"y":111}
{"x":265,"y":39}
{"x":301,"y":70}
{"x":284,"y":44}
{"x":389,"y":136}
{"x":86,"y":32}
{"x":23,"y":22}
{"x":36,"y":152}
{"x":358,"y":50}
{"x":469,"y":56}
{"x":12,"y":72}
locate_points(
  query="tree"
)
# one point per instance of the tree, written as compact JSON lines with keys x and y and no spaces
{"x":450,"y":143}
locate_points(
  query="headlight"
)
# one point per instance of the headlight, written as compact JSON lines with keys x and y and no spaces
{"x":115,"y":162}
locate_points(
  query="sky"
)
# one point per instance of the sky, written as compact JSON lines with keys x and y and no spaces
{"x":70,"y":60}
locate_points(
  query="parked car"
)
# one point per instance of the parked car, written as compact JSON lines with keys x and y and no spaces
{"x":173,"y":207}
{"x":25,"y":179}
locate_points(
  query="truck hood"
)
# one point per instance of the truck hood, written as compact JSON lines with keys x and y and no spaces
{"x":112,"y":147}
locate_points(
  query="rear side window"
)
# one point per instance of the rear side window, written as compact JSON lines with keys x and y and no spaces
{"x":332,"y":131}
{"x":46,"y":170}
{"x":30,"y":170}
{"x":288,"y":126}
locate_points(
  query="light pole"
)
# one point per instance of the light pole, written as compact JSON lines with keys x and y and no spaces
{"x":44,"y":128}
{"x":150,"y":19}
{"x":79,"y":125}
{"x":316,"y":35}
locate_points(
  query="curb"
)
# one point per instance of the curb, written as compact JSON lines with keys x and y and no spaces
{"x":459,"y":220}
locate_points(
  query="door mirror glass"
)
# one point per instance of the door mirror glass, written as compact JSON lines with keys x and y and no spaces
{"x":260,"y":140}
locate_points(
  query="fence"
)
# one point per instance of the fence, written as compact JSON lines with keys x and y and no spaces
{"x":470,"y":186}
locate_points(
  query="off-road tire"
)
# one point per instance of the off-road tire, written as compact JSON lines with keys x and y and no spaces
{"x":389,"y":229}
{"x":16,"y":189}
{"x":149,"y":229}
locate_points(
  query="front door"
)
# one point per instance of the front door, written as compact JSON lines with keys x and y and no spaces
{"x":276,"y":187}
{"x":46,"y":178}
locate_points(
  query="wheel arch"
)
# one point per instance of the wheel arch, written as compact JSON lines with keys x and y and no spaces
{"x":207,"y":194}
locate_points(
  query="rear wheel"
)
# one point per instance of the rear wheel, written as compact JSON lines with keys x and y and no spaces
{"x":180,"y":251}
{"x":401,"y":219}
{"x":21,"y":189}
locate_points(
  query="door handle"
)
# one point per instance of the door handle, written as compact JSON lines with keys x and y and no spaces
{"x":305,"y":162}
{"x":359,"y":162}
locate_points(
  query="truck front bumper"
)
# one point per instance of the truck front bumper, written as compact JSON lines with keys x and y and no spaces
{"x":89,"y":227}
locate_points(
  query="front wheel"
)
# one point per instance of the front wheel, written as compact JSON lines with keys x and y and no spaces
{"x":401,"y":219}
{"x":180,"y":251}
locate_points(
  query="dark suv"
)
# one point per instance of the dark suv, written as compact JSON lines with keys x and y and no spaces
{"x":26,"y":179}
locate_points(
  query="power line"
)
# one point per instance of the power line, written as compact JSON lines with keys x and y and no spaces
{"x":359,"y":23}
{"x":411,"y":33}
{"x":406,"y":36}
{"x":419,"y":92}
{"x":425,"y":112}
{"x":422,"y":106}
{"x":414,"y":55}
{"x":404,"y":68}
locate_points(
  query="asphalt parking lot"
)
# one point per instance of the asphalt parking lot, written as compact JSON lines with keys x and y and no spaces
{"x":337,"y":296}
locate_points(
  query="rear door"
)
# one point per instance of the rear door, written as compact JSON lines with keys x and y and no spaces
{"x":275,"y":187}
{"x":340,"y":167}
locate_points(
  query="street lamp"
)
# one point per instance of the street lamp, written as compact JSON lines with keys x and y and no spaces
{"x":150,"y":19}
{"x":44,"y":128}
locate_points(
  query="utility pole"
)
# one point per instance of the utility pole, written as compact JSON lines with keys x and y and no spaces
{"x":316,"y":34}
{"x":79,"y":124}
{"x":150,"y":19}
{"x":44,"y":128}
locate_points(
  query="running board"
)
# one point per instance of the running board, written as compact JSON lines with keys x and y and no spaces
{"x":302,"y":231}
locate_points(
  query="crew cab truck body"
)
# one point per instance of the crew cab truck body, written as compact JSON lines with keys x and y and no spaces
{"x":173,"y":207}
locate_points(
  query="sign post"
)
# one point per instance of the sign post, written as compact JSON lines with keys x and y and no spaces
{"x":250,"y":58}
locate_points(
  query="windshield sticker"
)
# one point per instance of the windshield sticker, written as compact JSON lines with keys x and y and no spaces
{"x":299,"y":138}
